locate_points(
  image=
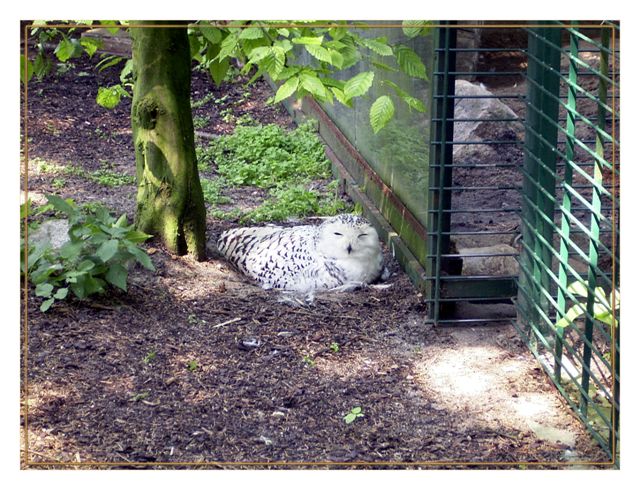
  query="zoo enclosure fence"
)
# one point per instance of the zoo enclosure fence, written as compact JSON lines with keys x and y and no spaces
{"x":566,"y":101}
{"x":530,"y":186}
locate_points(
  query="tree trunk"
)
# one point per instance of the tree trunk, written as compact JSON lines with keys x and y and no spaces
{"x":169,"y":200}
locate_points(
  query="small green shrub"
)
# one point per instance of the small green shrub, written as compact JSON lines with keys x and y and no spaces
{"x":603,"y":305}
{"x":99,"y":249}
{"x":212,"y":191}
{"x":354,"y":413}
{"x":109,"y":178}
{"x":295,"y":201}
{"x":265,"y":156}
{"x":200,"y":122}
{"x":195,"y":104}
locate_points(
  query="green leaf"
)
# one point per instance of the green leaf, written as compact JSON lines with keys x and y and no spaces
{"x":381,"y":112}
{"x":107,"y":250}
{"x":127,"y":70}
{"x":86,"y":265}
{"x":109,"y":61}
{"x":410,"y":62}
{"x":90,"y":45}
{"x":218,"y":70}
{"x":579,"y":288}
{"x":603,"y":313}
{"x":65,"y":49}
{"x":351,"y":56}
{"x":337,"y":33}
{"x":228,"y":46}
{"x":61,"y":205}
{"x":601,"y":296}
{"x":358,"y":85}
{"x":287,"y":89}
{"x":318,"y":52}
{"x":45,"y":289}
{"x":378,"y":45}
{"x":383,"y":66}
{"x":111,"y":25}
{"x":337,"y":59}
{"x":339,"y":94}
{"x":93,"y":285}
{"x":313,"y":41}
{"x":412,"y":102}
{"x":313,"y":84}
{"x":109,"y":97}
{"x":117,"y":275}
{"x":274,"y":62}
{"x":258,"y":54}
{"x":61,"y":293}
{"x":46,"y":304}
{"x":137,"y":236}
{"x":41,"y":65}
{"x":349,"y":418}
{"x":71,"y":249}
{"x":285,"y":44}
{"x":142,"y":257}
{"x":573,"y":313}
{"x":122,"y":221}
{"x":615,"y":296}
{"x":211,"y":34}
{"x":251,"y":33}
{"x":413,"y":28}
{"x":26,"y":69}
{"x":78,"y":287}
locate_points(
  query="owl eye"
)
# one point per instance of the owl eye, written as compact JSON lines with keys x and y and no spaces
{"x":362,"y":234}
{"x":336,"y":233}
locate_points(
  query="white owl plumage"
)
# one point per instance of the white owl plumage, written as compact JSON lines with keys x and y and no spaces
{"x":342,"y":250}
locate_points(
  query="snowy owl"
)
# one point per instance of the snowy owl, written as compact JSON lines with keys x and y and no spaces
{"x":343,"y":250}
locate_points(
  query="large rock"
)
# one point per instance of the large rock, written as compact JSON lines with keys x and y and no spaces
{"x":482,"y":106}
{"x":53,"y":231}
{"x":496,"y":265}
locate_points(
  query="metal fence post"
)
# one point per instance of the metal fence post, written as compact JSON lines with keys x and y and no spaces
{"x":442,"y":157}
{"x":541,"y":138}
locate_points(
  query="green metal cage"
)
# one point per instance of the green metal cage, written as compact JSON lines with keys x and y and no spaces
{"x":501,"y":203}
{"x":562,"y":84}
{"x":568,"y":295}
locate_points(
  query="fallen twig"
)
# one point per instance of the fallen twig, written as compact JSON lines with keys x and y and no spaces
{"x":228,"y":322}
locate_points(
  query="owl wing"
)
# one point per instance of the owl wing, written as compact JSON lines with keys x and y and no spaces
{"x":275,"y":257}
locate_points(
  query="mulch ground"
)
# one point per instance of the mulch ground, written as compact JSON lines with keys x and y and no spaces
{"x":195,"y":365}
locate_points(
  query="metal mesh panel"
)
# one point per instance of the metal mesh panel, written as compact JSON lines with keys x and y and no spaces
{"x":568,"y":300}
{"x":477,"y":137}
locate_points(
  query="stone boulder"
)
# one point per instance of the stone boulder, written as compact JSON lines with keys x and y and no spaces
{"x":53,"y":231}
{"x":501,"y":265}
{"x":484,"y":130}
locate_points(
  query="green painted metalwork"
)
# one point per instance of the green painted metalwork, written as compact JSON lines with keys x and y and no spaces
{"x":569,"y":226}
{"x":566,"y":201}
{"x":441,"y":176}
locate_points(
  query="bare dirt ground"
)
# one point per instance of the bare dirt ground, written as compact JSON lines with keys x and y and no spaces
{"x":238,"y":376}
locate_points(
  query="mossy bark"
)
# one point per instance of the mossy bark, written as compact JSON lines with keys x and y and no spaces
{"x":169,"y":199}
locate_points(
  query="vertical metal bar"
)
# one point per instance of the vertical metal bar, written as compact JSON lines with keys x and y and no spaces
{"x":615,"y":327}
{"x":443,"y":155}
{"x":541,"y":139}
{"x":566,"y":198}
{"x":596,"y":205}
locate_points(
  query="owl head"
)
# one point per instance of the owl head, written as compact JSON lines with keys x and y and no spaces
{"x":347,"y":236}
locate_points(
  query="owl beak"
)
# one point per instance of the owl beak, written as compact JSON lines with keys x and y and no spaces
{"x":349,"y":249}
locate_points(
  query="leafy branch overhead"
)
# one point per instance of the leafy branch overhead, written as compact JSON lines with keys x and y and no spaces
{"x":267,"y":48}
{"x":275,"y":51}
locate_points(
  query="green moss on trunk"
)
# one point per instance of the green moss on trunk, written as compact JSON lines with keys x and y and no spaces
{"x":169,"y":198}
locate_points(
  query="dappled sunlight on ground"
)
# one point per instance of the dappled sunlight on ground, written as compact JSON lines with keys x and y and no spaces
{"x":492,"y":386}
